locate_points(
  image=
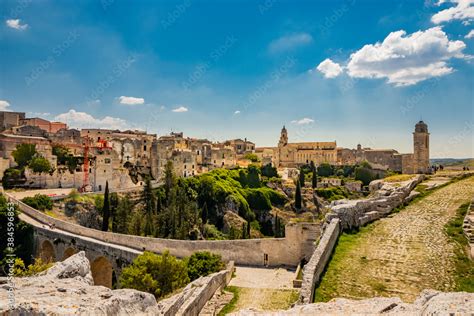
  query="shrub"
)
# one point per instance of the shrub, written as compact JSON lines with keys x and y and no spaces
{"x":251,"y":157}
{"x":155,"y":274}
{"x":12,"y":177}
{"x":325,"y":170}
{"x":39,"y":201}
{"x":203,"y":263}
{"x":333,"y":193}
{"x":269,"y":171}
{"x":38,"y":266}
{"x":364,"y":174}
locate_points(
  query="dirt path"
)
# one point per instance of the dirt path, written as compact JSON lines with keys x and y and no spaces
{"x":400,"y":255}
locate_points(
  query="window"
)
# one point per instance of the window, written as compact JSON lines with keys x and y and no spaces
{"x":144,"y":147}
{"x":107,"y":160}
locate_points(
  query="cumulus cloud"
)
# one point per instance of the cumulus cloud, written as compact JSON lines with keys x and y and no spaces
{"x":303,"y":121}
{"x":16,"y":24}
{"x":180,"y":109}
{"x":406,"y":59}
{"x":289,"y":42}
{"x":4,"y":105}
{"x":84,"y":120}
{"x":237,"y":112}
{"x":329,"y":68}
{"x":470,"y":34}
{"x":131,"y":100}
{"x":462,"y":10}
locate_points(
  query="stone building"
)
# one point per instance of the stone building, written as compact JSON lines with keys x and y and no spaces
{"x":45,"y":125}
{"x":296,"y":154}
{"x":10,"y":119}
{"x":291,"y":155}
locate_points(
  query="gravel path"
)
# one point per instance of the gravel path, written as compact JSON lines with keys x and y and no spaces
{"x":400,"y":255}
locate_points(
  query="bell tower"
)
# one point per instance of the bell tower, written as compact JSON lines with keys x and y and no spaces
{"x":421,"y":148}
{"x":283,"y":137}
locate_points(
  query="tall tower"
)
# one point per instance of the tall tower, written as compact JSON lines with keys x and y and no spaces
{"x":421,"y":148}
{"x":283,"y":137}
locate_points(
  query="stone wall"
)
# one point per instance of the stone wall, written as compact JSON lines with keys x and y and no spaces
{"x":286,"y":251}
{"x":195,"y":295}
{"x":468,"y":227}
{"x":314,"y":268}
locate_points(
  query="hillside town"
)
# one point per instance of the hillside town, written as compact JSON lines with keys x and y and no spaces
{"x":90,"y":157}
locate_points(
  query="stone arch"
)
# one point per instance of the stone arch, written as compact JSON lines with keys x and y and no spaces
{"x":69,"y":252}
{"x":102,"y":272}
{"x":46,"y":252}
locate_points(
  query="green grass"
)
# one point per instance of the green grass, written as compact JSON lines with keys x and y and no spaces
{"x":327,"y":288}
{"x":464,"y":267}
{"x":398,"y":178}
{"x":231,"y":305}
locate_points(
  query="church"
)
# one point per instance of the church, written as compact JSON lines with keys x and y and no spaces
{"x":293,"y":155}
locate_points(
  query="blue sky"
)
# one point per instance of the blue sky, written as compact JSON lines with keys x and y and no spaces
{"x":353,"y":71}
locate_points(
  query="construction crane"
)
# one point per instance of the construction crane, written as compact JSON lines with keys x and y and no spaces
{"x":101,"y":144}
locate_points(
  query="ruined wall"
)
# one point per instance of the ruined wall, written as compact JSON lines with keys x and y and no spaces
{"x":314,"y":268}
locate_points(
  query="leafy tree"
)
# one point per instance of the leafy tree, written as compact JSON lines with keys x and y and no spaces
{"x":253,"y":177}
{"x":155,"y":274}
{"x":22,"y":235}
{"x":13,"y":177}
{"x":363,"y":174}
{"x":269,"y":171}
{"x":39,"y":201}
{"x":298,"y":198}
{"x":39,"y":165}
{"x":204,"y":213}
{"x":251,"y":157}
{"x":106,"y":208}
{"x":203,"y":263}
{"x":122,"y":215}
{"x":325,"y":170}
{"x":23,"y":154}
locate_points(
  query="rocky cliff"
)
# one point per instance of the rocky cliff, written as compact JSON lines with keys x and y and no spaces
{"x":67,"y":289}
{"x":429,"y":302}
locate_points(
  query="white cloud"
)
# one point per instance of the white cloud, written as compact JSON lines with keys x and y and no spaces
{"x":303,"y":121}
{"x":16,"y":24}
{"x":289,"y":42}
{"x":180,"y":109}
{"x":131,"y":100}
{"x":4,"y":105}
{"x":470,"y":34}
{"x":462,"y":10}
{"x":84,"y":120}
{"x":406,"y":59}
{"x":329,"y":68}
{"x":237,"y":112}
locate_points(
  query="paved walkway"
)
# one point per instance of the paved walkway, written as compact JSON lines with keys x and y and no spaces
{"x":402,"y":254}
{"x":263,"y":278}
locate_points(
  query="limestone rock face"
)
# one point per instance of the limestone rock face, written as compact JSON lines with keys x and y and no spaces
{"x":429,"y":302}
{"x":67,"y":289}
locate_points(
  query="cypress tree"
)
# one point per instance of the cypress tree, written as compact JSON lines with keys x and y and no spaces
{"x":106,"y":208}
{"x":204,"y":213}
{"x":277,"y":226}
{"x":243,"y":230}
{"x":248,"y":230}
{"x":114,"y":201}
{"x":314,"y":179}
{"x":298,"y":195}
{"x":301,"y":177}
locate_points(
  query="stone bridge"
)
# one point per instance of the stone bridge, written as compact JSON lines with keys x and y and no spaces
{"x":106,"y":260}
{"x":109,"y":252}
